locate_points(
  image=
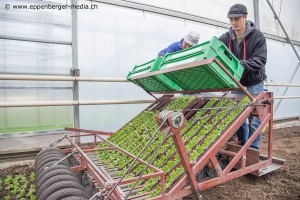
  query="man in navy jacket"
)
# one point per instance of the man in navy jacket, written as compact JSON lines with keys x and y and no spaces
{"x":191,"y":39}
{"x":249,"y":46}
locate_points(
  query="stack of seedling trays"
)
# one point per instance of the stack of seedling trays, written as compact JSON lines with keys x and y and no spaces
{"x":207,"y":118}
{"x":195,"y":68}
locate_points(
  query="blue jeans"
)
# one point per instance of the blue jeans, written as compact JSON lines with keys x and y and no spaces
{"x":252,"y":123}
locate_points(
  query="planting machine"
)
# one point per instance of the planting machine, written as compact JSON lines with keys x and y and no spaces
{"x":180,"y":145}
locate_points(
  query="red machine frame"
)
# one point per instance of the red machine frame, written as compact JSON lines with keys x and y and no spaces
{"x":244,"y":159}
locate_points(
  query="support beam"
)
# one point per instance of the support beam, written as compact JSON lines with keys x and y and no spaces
{"x":256,"y":14}
{"x":282,"y":27}
{"x":75,"y":70}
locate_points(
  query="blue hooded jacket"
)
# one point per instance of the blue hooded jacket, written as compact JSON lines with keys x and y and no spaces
{"x":176,"y":46}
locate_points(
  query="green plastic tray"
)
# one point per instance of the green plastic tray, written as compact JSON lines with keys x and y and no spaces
{"x":202,"y":77}
{"x":146,"y":67}
{"x":213,"y":48}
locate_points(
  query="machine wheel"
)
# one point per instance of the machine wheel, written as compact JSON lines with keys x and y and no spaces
{"x":53,"y":180}
{"x":57,"y":187}
{"x":47,"y":170}
{"x":56,"y":172}
{"x":47,"y":160}
{"x":40,"y":160}
{"x":51,"y":153}
{"x":67,"y":192}
{"x":48,"y":150}
{"x":42,"y":168}
{"x":74,"y":198}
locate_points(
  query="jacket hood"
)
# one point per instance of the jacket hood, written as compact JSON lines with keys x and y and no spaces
{"x":249,"y":28}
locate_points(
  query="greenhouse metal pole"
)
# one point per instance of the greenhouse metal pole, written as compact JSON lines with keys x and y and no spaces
{"x":297,"y":68}
{"x":289,"y":40}
{"x":75,"y":70}
{"x":256,"y":14}
{"x":287,"y":36}
{"x":283,"y":85}
{"x":60,"y":78}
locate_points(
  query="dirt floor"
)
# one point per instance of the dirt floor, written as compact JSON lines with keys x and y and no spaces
{"x":278,"y":185}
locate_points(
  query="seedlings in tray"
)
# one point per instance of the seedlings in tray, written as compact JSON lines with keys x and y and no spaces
{"x":134,"y":136}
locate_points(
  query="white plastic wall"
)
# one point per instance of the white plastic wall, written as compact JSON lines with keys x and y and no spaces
{"x":34,"y":58}
{"x":113,"y":39}
{"x":288,"y":13}
{"x":215,"y":10}
{"x":287,"y":10}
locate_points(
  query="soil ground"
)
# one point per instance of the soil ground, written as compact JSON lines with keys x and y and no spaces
{"x":277,"y":185}
{"x":281,"y":184}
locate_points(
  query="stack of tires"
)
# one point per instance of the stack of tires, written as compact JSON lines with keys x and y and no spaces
{"x":55,"y":182}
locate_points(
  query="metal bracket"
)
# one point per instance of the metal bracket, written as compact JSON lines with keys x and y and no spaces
{"x":98,"y":195}
{"x":75,"y":72}
{"x":174,"y":121}
{"x":67,"y":156}
{"x":57,"y":142}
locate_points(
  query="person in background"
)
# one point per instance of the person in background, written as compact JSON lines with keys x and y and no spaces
{"x":190,"y":40}
{"x":249,"y":46}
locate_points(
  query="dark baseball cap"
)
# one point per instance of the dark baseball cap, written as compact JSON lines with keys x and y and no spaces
{"x":237,"y":10}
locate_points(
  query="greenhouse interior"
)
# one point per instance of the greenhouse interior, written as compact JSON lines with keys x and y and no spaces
{"x":160,"y":100}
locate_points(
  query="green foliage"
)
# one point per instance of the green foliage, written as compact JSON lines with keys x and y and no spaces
{"x":16,"y":186}
{"x":198,"y":134}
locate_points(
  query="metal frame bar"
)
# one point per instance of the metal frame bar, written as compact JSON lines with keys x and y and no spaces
{"x":263,"y":107}
{"x":101,"y":176}
{"x":256,"y":14}
{"x":60,"y":78}
{"x":95,"y":102}
{"x":4,"y":37}
{"x":266,"y":116}
{"x":75,"y":70}
{"x":283,"y":85}
{"x":90,"y":79}
{"x":70,"y":103}
{"x":185,"y":161}
{"x":89,"y":131}
{"x":297,"y":68}
{"x":282,"y":27}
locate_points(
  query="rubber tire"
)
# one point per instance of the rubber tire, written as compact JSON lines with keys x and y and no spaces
{"x":50,"y":153}
{"x":67,"y":192}
{"x":48,"y":149}
{"x":42,"y":168}
{"x":45,"y":171}
{"x":74,"y":198}
{"x":55,"y":173}
{"x":37,"y":162}
{"x":49,"y":160}
{"x":58,"y":186}
{"x":52,"y":180}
